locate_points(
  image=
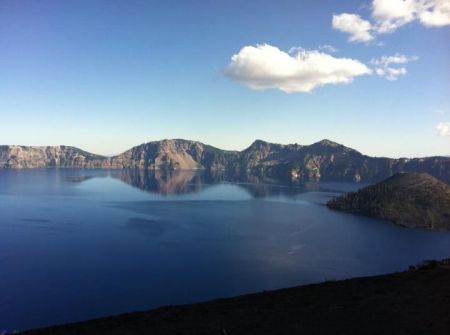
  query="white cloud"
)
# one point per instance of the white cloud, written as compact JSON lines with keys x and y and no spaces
{"x":264,"y":66}
{"x":359,"y":29}
{"x":391,"y":67}
{"x":443,"y":128}
{"x":436,"y":13}
{"x":389,"y":15}
{"x":328,"y":48}
{"x":392,"y":14}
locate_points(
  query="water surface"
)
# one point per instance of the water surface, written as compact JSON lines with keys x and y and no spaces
{"x":79,"y":244}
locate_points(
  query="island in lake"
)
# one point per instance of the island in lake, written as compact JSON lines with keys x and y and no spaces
{"x":408,"y":199}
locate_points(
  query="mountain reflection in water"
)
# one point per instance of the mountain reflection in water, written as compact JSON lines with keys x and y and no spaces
{"x":184,"y":182}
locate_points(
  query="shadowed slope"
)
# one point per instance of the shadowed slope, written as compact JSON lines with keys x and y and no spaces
{"x":412,"y":302}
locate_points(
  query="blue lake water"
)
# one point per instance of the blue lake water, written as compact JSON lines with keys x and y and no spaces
{"x":80,"y":244}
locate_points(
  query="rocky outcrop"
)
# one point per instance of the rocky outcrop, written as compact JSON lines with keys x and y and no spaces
{"x":18,"y":156}
{"x":408,"y":199}
{"x":330,"y":161}
{"x":324,"y":160}
{"x":175,"y":155}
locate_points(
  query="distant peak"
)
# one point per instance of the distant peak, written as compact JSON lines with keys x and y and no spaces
{"x":173,"y":140}
{"x":258,"y":144}
{"x":258,"y":141}
{"x":328,"y":143}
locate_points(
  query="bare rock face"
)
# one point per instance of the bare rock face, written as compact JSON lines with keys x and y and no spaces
{"x":166,"y":154}
{"x":15,"y":156}
{"x":174,"y":155}
{"x":263,"y":156}
{"x":321,"y":161}
{"x":408,"y":199}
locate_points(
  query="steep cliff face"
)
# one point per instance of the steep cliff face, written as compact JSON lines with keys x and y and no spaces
{"x":330,"y":161}
{"x":175,"y":155}
{"x":262,"y":156}
{"x":324,"y":160}
{"x":16,"y":156}
{"x":166,"y":154}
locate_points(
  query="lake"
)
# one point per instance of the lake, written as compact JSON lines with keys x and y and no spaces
{"x":80,"y":244}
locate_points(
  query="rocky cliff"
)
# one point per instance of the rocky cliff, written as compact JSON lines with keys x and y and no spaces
{"x":175,"y":155}
{"x":18,"y":156}
{"x":330,"y":161}
{"x":324,"y":160}
{"x":408,"y":199}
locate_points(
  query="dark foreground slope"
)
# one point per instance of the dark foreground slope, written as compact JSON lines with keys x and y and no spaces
{"x":408,"y":199}
{"x":412,"y":302}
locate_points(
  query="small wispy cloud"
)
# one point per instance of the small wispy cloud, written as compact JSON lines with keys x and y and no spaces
{"x":392,"y":67}
{"x":299,"y":70}
{"x":328,"y":48}
{"x":443,"y":128}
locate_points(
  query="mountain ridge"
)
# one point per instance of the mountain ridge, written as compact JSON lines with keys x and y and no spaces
{"x":323,"y":160}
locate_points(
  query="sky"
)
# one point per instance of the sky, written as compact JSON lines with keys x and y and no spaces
{"x":108,"y":75}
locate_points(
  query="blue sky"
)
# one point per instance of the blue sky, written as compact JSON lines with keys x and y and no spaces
{"x":108,"y":75}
